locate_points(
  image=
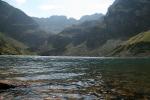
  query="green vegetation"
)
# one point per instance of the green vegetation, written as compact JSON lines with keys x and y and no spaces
{"x":10,"y":46}
{"x":142,"y":37}
{"x":136,"y":45}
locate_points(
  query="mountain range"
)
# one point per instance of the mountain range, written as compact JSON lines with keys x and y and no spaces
{"x":56,"y":24}
{"x":123,"y":31}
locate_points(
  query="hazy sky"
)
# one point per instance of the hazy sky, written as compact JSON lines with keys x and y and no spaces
{"x":70,"y":8}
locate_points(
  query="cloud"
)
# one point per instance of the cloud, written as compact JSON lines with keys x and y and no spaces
{"x":48,"y":7}
{"x":20,"y":2}
{"x":102,"y":6}
{"x":70,"y":8}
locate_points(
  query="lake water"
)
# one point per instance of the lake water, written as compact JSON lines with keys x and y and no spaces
{"x":76,"y":78}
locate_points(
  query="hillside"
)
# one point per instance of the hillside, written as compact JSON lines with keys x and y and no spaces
{"x":138,"y":45}
{"x":9,"y":46}
{"x":16,"y":24}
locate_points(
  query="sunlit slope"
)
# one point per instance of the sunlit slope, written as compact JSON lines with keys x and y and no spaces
{"x":137,"y":45}
{"x":142,"y":37}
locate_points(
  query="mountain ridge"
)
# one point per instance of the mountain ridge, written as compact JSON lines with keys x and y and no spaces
{"x":55,"y":24}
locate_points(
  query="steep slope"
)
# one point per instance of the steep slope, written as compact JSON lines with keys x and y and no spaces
{"x":138,"y":45}
{"x":16,"y":24}
{"x":127,"y":18}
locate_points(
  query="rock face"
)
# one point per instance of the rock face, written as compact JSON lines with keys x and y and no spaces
{"x":127,"y":18}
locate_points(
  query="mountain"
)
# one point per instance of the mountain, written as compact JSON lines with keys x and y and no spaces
{"x":72,"y":35}
{"x":127,"y":18}
{"x":56,"y":24}
{"x":17,"y":25}
{"x":138,"y":45}
{"x":124,"y":19}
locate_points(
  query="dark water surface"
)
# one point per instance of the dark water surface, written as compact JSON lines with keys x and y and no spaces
{"x":76,"y":78}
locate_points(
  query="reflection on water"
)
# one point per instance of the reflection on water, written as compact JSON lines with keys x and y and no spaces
{"x":82,"y":78}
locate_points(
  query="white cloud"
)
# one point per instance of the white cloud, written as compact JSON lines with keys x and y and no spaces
{"x":101,"y":6}
{"x":48,"y":7}
{"x":20,"y":2}
{"x":70,"y":8}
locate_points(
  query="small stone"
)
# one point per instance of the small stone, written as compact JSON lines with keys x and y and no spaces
{"x":48,"y":98}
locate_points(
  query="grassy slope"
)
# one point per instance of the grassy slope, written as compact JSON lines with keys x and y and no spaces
{"x":142,"y":37}
{"x":137,"y":45}
{"x":10,"y":46}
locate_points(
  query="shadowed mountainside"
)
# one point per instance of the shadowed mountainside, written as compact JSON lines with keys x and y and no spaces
{"x":19,"y":26}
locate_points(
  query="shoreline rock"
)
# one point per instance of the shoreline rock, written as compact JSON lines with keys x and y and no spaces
{"x":7,"y":84}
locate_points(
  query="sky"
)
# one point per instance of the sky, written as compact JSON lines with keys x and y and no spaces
{"x":69,"y":8}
